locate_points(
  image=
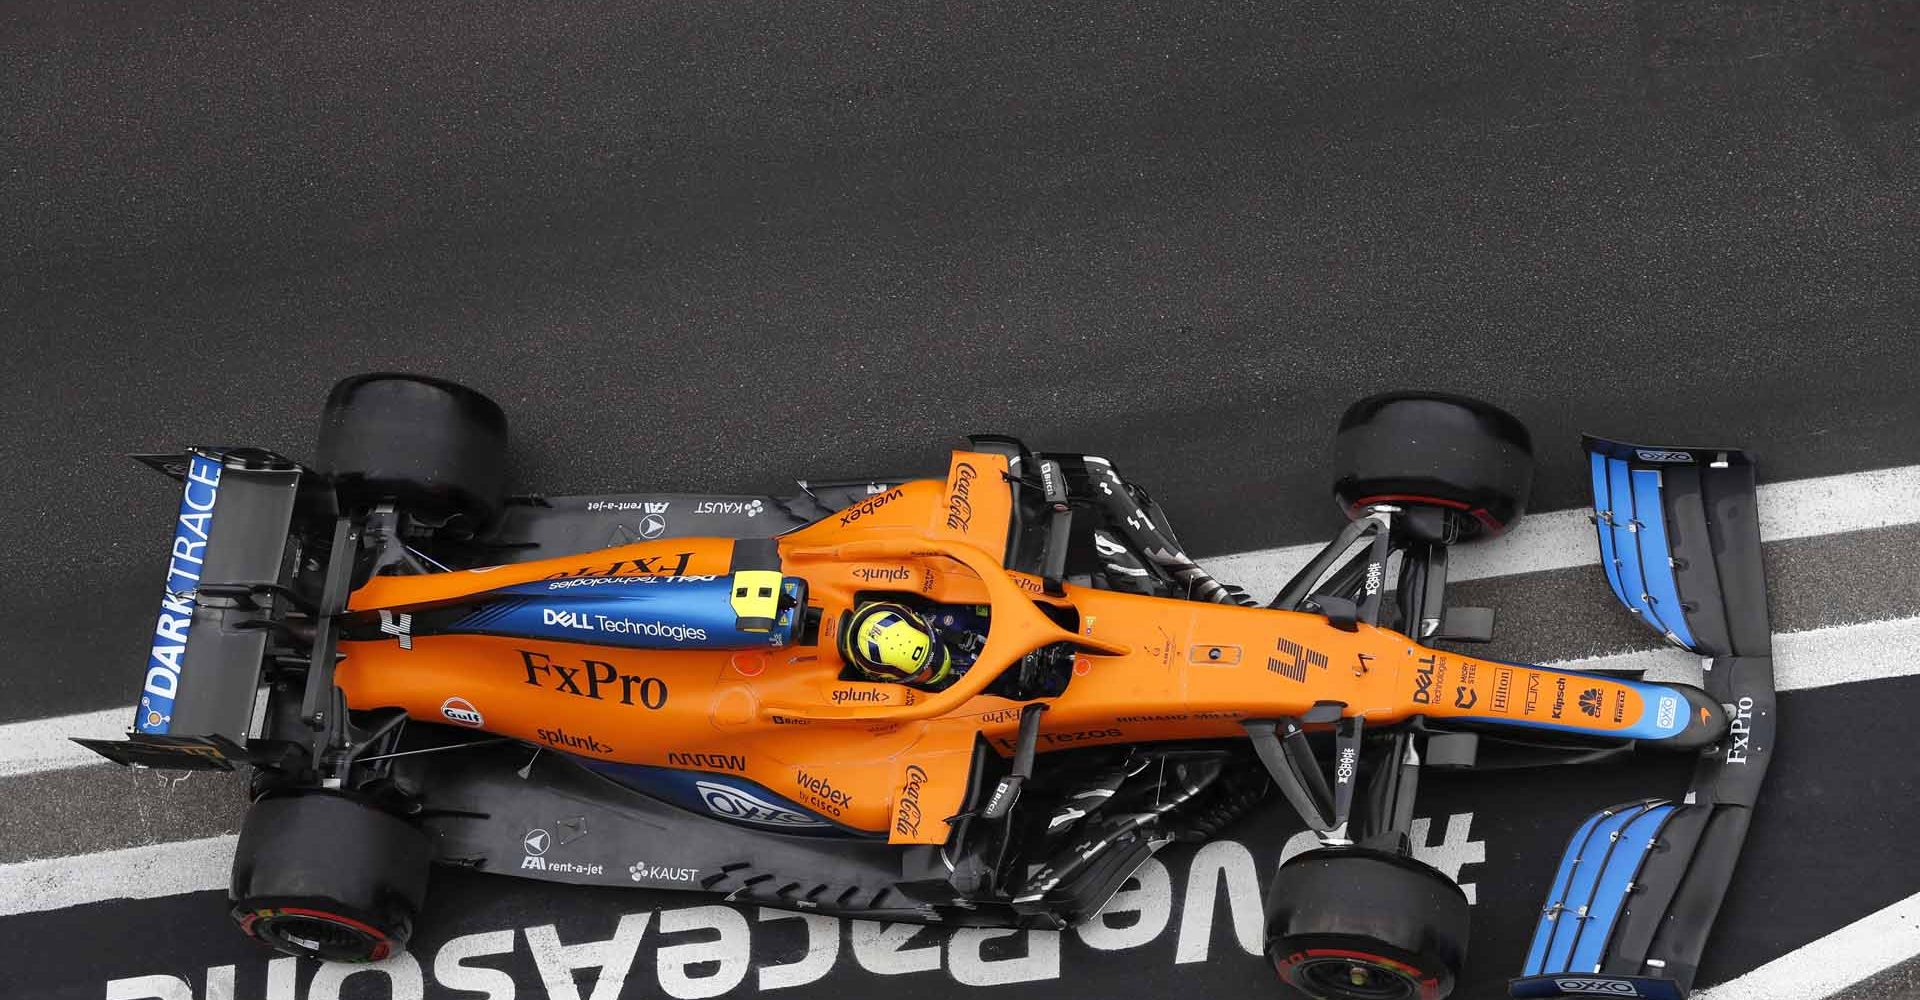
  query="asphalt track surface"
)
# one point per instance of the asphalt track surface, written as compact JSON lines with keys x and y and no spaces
{"x":726,"y":246}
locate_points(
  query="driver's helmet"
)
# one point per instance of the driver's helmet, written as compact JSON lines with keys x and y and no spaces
{"x":891,"y":642}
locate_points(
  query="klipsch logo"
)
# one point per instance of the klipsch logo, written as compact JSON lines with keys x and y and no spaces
{"x":960,"y":498}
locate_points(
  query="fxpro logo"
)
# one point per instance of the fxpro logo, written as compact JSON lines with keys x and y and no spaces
{"x":737,"y":804}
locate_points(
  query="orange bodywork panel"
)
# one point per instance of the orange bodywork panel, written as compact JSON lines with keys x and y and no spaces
{"x":883,"y":757}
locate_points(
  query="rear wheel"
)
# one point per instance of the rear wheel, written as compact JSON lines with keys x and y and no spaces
{"x":324,"y":876}
{"x":1355,"y":924}
{"x":436,"y":449}
{"x":1468,"y":460}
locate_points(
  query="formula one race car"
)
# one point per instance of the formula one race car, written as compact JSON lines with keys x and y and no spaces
{"x":654,"y":690}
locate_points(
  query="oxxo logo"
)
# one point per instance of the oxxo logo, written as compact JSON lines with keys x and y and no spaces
{"x":1598,"y":987}
{"x":737,"y":804}
{"x":461,"y":712}
{"x":1653,"y":455}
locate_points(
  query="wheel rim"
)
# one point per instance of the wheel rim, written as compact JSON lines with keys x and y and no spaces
{"x":1354,"y":977}
{"x":328,"y":937}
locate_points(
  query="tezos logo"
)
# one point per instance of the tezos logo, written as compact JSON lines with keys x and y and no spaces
{"x":1599,"y":987}
{"x":461,"y":712}
{"x":1652,"y":455}
{"x":736,"y":804}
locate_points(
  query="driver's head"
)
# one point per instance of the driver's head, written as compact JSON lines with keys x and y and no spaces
{"x":891,"y":642}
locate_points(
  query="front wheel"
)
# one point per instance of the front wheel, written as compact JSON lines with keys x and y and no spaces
{"x":1355,"y":924}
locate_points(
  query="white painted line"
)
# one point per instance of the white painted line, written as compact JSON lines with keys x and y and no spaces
{"x":42,"y":744}
{"x":1815,"y":658}
{"x":1870,"y":945}
{"x":1800,"y":508}
{"x":129,"y":873}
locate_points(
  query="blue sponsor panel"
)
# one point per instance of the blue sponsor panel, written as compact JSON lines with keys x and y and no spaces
{"x":166,"y":659}
{"x":726,"y":797}
{"x":640,"y":612}
{"x":1663,"y":711}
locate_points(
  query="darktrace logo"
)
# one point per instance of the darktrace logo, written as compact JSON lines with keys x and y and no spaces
{"x":907,"y":821}
{"x":1590,"y":702}
{"x":868,"y":506}
{"x":960,"y":498}
{"x":542,"y":671}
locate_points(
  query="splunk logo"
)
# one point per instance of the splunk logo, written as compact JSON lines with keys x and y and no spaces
{"x":737,"y":804}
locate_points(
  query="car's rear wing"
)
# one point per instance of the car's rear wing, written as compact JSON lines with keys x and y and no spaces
{"x":1637,"y":891}
{"x":227,"y":585}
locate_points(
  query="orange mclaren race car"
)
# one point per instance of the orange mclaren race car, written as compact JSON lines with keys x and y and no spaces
{"x":693,"y":692}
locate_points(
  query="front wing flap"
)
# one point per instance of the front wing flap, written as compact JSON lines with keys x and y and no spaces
{"x":1640,"y":884}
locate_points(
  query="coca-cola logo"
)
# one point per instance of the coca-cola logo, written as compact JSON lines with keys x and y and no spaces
{"x":907,"y":823}
{"x":960,"y":498}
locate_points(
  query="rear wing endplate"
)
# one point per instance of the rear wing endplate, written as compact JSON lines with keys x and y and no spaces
{"x":226,"y":587}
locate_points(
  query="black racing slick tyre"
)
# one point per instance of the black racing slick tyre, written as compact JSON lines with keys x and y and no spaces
{"x":1468,"y":459}
{"x":324,"y":876}
{"x":436,"y":448}
{"x":1354,"y":924}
